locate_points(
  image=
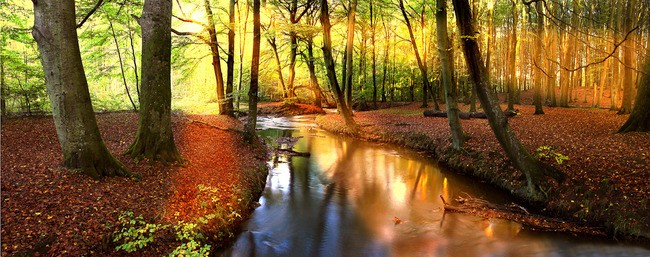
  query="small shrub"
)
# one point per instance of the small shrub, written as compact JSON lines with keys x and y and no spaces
{"x":546,"y":152}
{"x":135,"y":232}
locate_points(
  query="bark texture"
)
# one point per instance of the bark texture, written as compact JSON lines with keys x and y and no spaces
{"x":67,"y":87}
{"x":155,"y":138}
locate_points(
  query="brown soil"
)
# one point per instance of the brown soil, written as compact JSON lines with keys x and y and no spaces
{"x":608,"y":174}
{"x":69,"y":214}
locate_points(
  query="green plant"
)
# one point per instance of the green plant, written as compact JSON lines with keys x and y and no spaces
{"x":188,"y":234}
{"x":135,"y":233}
{"x":547,"y":152}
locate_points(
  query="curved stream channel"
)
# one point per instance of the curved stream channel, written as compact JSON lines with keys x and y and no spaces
{"x":354,"y":198}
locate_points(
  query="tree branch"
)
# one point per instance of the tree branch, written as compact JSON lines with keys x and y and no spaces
{"x":81,"y":23}
{"x":197,"y":35}
{"x":190,"y":21}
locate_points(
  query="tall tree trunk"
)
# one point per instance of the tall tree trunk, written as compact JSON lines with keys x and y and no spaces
{"x":242,"y":47}
{"x":374,"y":56}
{"x":250,"y":134}
{"x":628,"y":60}
{"x":122,"y":72}
{"x":614,"y":84}
{"x":216,"y":58}
{"x":230,"y":61}
{"x":444,"y":48}
{"x":312,"y":73}
{"x":155,"y":139}
{"x":639,"y":120}
{"x":81,"y":143}
{"x":135,"y":65}
{"x":490,"y":42}
{"x":274,"y":47}
{"x":349,"y":51}
{"x":344,"y":109}
{"x":512,"y":58}
{"x":552,"y":79}
{"x":538,"y":98}
{"x":386,"y":62}
{"x":517,"y":153}
{"x":421,"y":63}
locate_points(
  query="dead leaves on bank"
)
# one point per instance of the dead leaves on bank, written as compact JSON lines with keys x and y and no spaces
{"x":42,"y":201}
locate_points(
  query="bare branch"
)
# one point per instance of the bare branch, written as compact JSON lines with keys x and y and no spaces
{"x":194,"y":34}
{"x":190,"y":21}
{"x":97,"y":5}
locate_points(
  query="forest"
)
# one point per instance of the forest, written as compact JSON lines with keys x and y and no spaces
{"x":140,"y":126}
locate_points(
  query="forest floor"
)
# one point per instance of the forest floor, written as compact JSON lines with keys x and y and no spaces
{"x":53,"y":211}
{"x":608,"y":174}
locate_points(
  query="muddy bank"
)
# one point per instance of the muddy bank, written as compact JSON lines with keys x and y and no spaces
{"x":608,"y":180}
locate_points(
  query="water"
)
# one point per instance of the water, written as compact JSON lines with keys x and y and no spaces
{"x":353,"y":198}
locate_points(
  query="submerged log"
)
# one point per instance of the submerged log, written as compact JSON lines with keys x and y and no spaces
{"x":465,"y":115}
{"x":516,"y":213}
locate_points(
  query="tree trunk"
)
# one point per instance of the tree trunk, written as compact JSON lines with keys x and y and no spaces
{"x":250,"y":134}
{"x":312,"y":73}
{"x":155,"y":139}
{"x":516,"y":152}
{"x":119,"y":57}
{"x":230,"y":61}
{"x":343,"y":108}
{"x":639,"y":120}
{"x":274,"y":47}
{"x":512,"y":59}
{"x":216,"y":58}
{"x":374,"y":56}
{"x":457,"y":137}
{"x":421,"y":63}
{"x":386,"y":62}
{"x":81,"y":143}
{"x":349,"y":51}
{"x":628,"y":60}
{"x":242,"y":46}
{"x":538,"y":57}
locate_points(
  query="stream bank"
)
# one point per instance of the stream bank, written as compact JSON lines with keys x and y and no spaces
{"x":608,"y":180}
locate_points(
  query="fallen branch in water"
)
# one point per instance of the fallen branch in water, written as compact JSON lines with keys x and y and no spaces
{"x":513,"y":212}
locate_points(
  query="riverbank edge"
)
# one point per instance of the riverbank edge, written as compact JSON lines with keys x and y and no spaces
{"x":474,"y":163}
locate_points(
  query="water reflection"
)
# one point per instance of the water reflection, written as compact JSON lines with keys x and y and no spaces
{"x":346,"y":199}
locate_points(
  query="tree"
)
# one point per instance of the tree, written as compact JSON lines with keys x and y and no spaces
{"x":250,"y":134}
{"x":639,"y":120}
{"x":457,"y":137}
{"x":225,"y":105}
{"x":341,"y":104}
{"x":533,"y":169}
{"x":295,"y":15}
{"x":155,"y":139}
{"x":56,"y":35}
{"x":628,"y":71}
{"x":348,"y":67}
{"x":539,"y":29}
{"x":422,"y":64}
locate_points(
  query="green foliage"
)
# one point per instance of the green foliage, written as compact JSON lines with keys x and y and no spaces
{"x":188,"y":234}
{"x":135,"y":233}
{"x":547,"y":152}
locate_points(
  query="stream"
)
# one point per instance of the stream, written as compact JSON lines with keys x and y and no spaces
{"x":354,"y":198}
